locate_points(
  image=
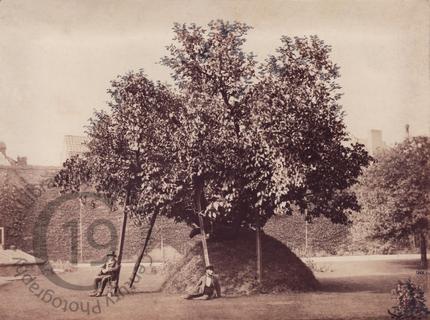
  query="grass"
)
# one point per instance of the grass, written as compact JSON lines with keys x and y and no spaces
{"x":352,"y":290}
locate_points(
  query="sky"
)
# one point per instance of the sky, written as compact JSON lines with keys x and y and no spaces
{"x":58,"y":56}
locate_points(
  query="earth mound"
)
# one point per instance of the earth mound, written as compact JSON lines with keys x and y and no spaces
{"x":234,"y":262}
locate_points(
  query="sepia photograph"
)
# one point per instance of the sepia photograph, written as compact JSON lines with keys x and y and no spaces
{"x":214,"y":159}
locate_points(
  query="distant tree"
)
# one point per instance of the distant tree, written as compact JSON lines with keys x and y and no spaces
{"x":395,"y":194}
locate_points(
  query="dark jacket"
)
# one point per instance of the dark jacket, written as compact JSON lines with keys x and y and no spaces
{"x":112,"y":269}
{"x":200,"y":287}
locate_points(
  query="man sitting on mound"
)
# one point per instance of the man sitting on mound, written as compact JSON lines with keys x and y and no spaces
{"x":208,"y":286}
{"x":107,"y":272}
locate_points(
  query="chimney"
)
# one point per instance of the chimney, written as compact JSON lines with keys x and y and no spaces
{"x":376,"y":141}
{"x":3,"y":148}
{"x":21,"y":161}
{"x":407,"y":131}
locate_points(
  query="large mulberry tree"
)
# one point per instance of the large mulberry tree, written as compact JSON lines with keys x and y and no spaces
{"x":234,"y":139}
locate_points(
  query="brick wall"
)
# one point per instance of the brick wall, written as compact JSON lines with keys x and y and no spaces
{"x":101,"y":227}
{"x":324,"y":237}
{"x":62,"y":218}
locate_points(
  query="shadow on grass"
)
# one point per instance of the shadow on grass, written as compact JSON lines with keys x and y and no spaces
{"x":371,"y":284}
{"x":406,"y":264}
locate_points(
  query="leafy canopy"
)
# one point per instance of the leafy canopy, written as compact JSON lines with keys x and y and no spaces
{"x":254,"y":138}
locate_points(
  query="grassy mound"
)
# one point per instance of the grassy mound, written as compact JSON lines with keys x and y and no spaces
{"x":235,"y":263}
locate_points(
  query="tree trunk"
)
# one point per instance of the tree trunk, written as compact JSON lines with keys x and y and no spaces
{"x":306,"y":233}
{"x":81,"y":232}
{"x":306,"y":238}
{"x":199,"y":184}
{"x":259,"y":260}
{"x":423,"y":249}
{"x":142,"y":253}
{"x":121,"y":241}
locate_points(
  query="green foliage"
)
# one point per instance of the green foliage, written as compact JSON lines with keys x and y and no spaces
{"x":410,"y":302}
{"x":252,"y":138}
{"x":131,"y":149}
{"x":394,"y":192}
{"x":17,"y":197}
{"x":299,"y":123}
{"x":74,"y":174}
{"x":15,"y":202}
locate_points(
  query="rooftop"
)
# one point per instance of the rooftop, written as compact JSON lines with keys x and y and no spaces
{"x":74,"y":144}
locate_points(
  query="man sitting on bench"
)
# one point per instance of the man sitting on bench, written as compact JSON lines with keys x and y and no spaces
{"x":106,"y":274}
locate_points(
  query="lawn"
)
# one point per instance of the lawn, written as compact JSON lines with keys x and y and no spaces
{"x":352,"y":288}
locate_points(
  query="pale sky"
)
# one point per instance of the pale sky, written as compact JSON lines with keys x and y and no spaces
{"x":58,"y":56}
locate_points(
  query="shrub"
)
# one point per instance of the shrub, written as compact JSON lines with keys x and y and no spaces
{"x":410,"y":302}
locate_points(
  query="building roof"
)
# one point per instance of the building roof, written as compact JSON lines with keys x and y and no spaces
{"x":74,"y":145}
